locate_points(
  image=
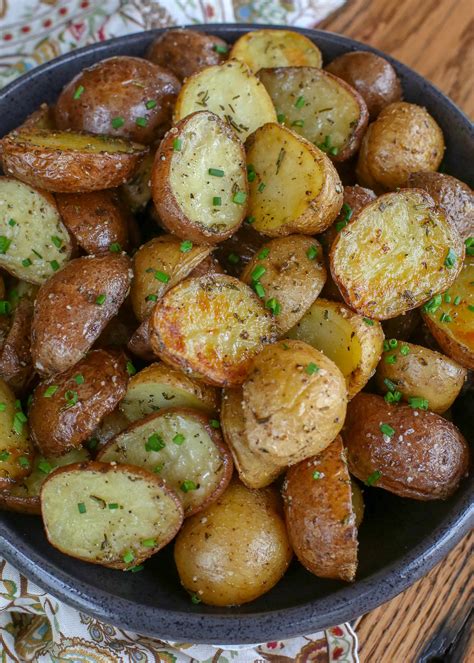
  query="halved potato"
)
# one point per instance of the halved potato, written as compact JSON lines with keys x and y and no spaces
{"x":294,"y":188}
{"x":199,"y":181}
{"x":450,"y":317}
{"x":69,"y":162}
{"x":419,"y":374}
{"x":352,"y":342}
{"x":321,"y":107}
{"x":114,"y":515}
{"x":16,"y":363}
{"x":34,"y":242}
{"x":291,"y":272}
{"x":294,"y":402}
{"x":160,"y":386}
{"x":276,"y":48}
{"x":183,"y":448}
{"x":211,"y":326}
{"x":395,"y":254}
{"x":255,"y":470}
{"x":16,"y":450}
{"x":320,"y":516}
{"x":231,"y":91}
{"x":24,"y":497}
{"x":159,"y":265}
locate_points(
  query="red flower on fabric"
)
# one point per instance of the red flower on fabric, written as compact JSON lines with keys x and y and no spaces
{"x":63,"y":11}
{"x":210,"y":11}
{"x":272,"y":645}
{"x":77,"y":30}
{"x":47,"y":23}
{"x":337,"y":630}
{"x":101,"y":34}
{"x":337,"y":653}
{"x":7,"y":37}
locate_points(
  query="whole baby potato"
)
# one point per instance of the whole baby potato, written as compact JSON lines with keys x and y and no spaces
{"x":235,"y":550}
{"x":119,"y":96}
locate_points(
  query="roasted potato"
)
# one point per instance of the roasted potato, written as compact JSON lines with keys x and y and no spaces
{"x":23,"y":497}
{"x":182,"y":447}
{"x":355,"y":198}
{"x":322,"y":108}
{"x":228,"y":326}
{"x":231,"y":91}
{"x":454,"y":197}
{"x":74,"y":306}
{"x":425,"y":378}
{"x":255,"y":470}
{"x":291,"y":272}
{"x":372,"y":76}
{"x":404,"y":139}
{"x":235,"y":550}
{"x":16,"y":451}
{"x":282,"y":203}
{"x":238,"y":250}
{"x":119,"y":96}
{"x":97,"y":220}
{"x":114,"y":515}
{"x":450,"y":317}
{"x":159,"y":265}
{"x":199,"y":183}
{"x":41,"y":118}
{"x":352,"y":342}
{"x":159,"y":386}
{"x":136,"y":192}
{"x":67,"y":408}
{"x":185,"y":52}
{"x":276,"y":48}
{"x":139,"y":342}
{"x":67,"y":162}
{"x":319,"y":514}
{"x":34,"y":242}
{"x":294,"y":402}
{"x":395,"y":254}
{"x":407,"y":451}
{"x":357,"y":502}
{"x":16,"y":364}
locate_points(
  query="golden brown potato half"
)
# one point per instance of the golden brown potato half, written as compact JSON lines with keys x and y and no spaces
{"x":211,"y":326}
{"x":403,"y":140}
{"x":67,"y":162}
{"x":276,"y":48}
{"x":16,"y":451}
{"x":97,"y":220}
{"x":319,"y":514}
{"x":114,"y":515}
{"x":139,"y":342}
{"x":67,"y":408}
{"x":455,"y":198}
{"x":294,"y":402}
{"x":235,"y":550}
{"x":255,"y":470}
{"x":291,"y":272}
{"x":119,"y":96}
{"x":73,"y":308}
{"x":407,"y":451}
{"x":16,"y":364}
{"x":450,"y":317}
{"x":158,"y":266}
{"x":352,"y":342}
{"x":41,"y":118}
{"x":395,"y":254}
{"x":159,"y":386}
{"x":199,"y":182}
{"x":182,"y":447}
{"x":136,"y":192}
{"x":232,"y":92}
{"x":319,"y":106}
{"x":280,"y":202}
{"x":34,"y":242}
{"x":185,"y":52}
{"x":372,"y":76}
{"x":24,"y":497}
{"x":425,"y":378}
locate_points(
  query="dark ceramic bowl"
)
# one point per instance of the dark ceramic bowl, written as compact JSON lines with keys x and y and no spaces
{"x":400,"y":539}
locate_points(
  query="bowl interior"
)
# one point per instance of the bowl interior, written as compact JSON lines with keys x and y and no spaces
{"x":399,"y":539}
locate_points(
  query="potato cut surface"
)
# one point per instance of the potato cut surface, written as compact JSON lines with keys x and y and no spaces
{"x":276,"y":48}
{"x":16,"y":451}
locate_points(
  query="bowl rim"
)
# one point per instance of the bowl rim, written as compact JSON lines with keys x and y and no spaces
{"x":237,"y":628}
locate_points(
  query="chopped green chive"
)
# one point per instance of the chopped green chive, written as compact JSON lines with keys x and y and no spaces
{"x":57,"y":241}
{"x":368,"y":322}
{"x":216,"y":172}
{"x":195,"y":599}
{"x":239,"y":197}
{"x":154,"y":443}
{"x":311,"y":368}
{"x":344,"y":217}
{"x":390,"y":359}
{"x":131,"y":370}
{"x":386,"y":347}
{"x":469,"y":242}
{"x":251,"y":174}
{"x":101,"y":299}
{"x":393,"y":343}
{"x":141,"y":121}
{"x":373,"y":478}
{"x":161,"y":276}
{"x":281,"y":117}
{"x":447,"y":298}
{"x":117,"y":122}
{"x":4,"y":243}
{"x":23,"y":462}
{"x":79,"y":379}
{"x":150,"y":104}
{"x":54,"y":265}
{"x":312,"y":252}
{"x":44,"y":467}
{"x":186,"y":246}
{"x":188,"y":485}
{"x":392,"y":396}
{"x":149,"y":543}
{"x":298,"y":123}
{"x":274,"y":306}
{"x":128,"y":557}
{"x":115,"y":247}
{"x":261,"y":187}
{"x":385,"y":429}
{"x":317,"y":475}
{"x":18,"y":420}
{"x":450,"y":259}
{"x":404,"y":350}
{"x":214,"y":423}
{"x":418,"y":403}
{"x":217,"y":201}
{"x":177,"y":144}
{"x":257,"y":273}
{"x":3,"y":407}
{"x":5,"y":307}
{"x":26,"y":262}
{"x":433,"y":305}
{"x":389,"y":384}
{"x":250,"y":220}
{"x":12,"y":222}
{"x":233,"y":258}
{"x":71,"y":397}
{"x":151,"y":298}
{"x":444,"y":317}
{"x":50,"y":391}
{"x":158,"y":468}
{"x":300,"y":102}
{"x":259,"y":289}
{"x":81,"y":507}
{"x":457,"y":300}
{"x":470,"y":307}
{"x":4,"y":455}
{"x":136,"y":569}
{"x":178,"y":439}
{"x":264,"y":253}
{"x":112,"y":506}
{"x":220,"y":48}
{"x":78,"y":92}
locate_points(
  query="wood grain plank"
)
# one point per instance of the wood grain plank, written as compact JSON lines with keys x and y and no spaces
{"x":424,"y":621}
{"x":435,"y":37}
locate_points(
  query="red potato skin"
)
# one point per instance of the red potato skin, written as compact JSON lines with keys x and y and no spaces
{"x":425,"y":459}
{"x":319,"y":515}
{"x":18,"y":504}
{"x":119,"y":87}
{"x":67,"y":320}
{"x":16,"y":364}
{"x":57,"y":428}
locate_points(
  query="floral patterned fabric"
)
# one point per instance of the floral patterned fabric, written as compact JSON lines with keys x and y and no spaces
{"x":34,"y":626}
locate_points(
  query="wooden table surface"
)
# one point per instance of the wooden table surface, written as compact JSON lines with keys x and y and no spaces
{"x":432,"y":621}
